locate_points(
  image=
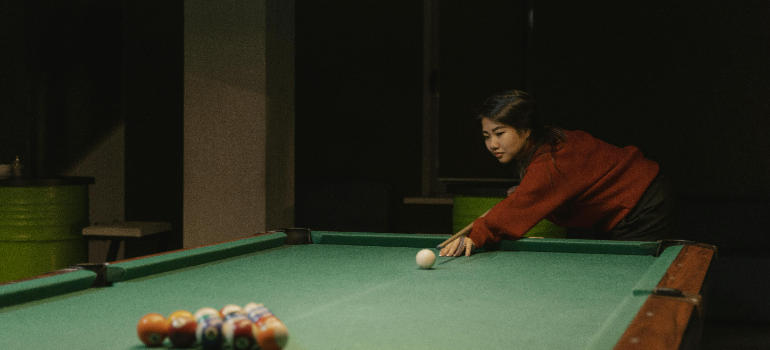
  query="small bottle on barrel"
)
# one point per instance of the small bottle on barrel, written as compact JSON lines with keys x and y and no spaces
{"x":16,"y":167}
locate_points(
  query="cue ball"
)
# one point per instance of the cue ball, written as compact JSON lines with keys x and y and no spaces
{"x":426,"y":258}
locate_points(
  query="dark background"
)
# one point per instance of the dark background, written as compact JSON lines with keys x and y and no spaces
{"x":72,"y":71}
{"x":687,"y":82}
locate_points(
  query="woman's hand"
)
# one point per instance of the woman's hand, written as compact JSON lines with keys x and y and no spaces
{"x":458,"y":247}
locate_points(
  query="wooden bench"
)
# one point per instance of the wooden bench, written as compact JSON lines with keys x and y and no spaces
{"x":118,"y":231}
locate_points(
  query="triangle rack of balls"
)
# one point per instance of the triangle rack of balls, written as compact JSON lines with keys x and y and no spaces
{"x":231,"y":327}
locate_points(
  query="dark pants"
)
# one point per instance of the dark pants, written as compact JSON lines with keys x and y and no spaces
{"x":655,"y":217}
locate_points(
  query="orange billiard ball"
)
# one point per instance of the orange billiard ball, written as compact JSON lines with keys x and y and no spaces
{"x":271,"y":333}
{"x":152,"y":329}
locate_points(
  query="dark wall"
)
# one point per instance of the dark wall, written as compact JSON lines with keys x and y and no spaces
{"x":686,"y":82}
{"x":482,"y":51}
{"x":358,"y":103}
{"x":72,"y":71}
{"x":153,"y":45}
{"x":14,"y":105}
{"x":60,"y":78}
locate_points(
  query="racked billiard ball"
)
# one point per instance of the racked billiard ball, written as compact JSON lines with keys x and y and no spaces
{"x":271,"y":333}
{"x":152,"y":329}
{"x":230,"y":309}
{"x":206,"y":312}
{"x":239,"y":334}
{"x":178,"y":313}
{"x":181,"y":331}
{"x":209,"y":333}
{"x":251,"y":306}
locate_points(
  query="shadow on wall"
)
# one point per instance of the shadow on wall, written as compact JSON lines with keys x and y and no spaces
{"x":342,"y":205}
{"x":73,"y":78}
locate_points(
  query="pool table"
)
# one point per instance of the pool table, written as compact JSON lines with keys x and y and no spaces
{"x":352,"y":290}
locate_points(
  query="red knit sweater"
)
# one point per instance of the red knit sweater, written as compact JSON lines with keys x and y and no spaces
{"x":587,"y":183}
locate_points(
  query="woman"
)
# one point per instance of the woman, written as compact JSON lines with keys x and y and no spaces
{"x":569,"y":178}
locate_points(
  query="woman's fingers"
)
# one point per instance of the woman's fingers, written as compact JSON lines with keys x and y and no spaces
{"x":469,"y":246}
{"x":458,"y":247}
{"x":449,"y":249}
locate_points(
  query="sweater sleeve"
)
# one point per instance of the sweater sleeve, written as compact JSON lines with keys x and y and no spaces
{"x":541,"y":192}
{"x":584,"y":183}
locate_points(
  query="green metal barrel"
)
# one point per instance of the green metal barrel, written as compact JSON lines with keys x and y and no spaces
{"x":466,"y":209}
{"x":41,"y":229}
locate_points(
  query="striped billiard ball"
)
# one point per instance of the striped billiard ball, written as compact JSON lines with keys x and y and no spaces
{"x":209,"y":333}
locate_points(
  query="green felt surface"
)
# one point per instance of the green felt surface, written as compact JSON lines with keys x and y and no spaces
{"x":334,"y":296}
{"x":613,"y":327}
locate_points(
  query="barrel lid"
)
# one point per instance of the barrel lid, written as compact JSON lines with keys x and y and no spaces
{"x":47,"y":181}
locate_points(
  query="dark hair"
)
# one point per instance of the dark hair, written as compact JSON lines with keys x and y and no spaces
{"x":516,"y":109}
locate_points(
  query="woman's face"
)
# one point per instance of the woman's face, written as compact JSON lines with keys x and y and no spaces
{"x":505,"y":142}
